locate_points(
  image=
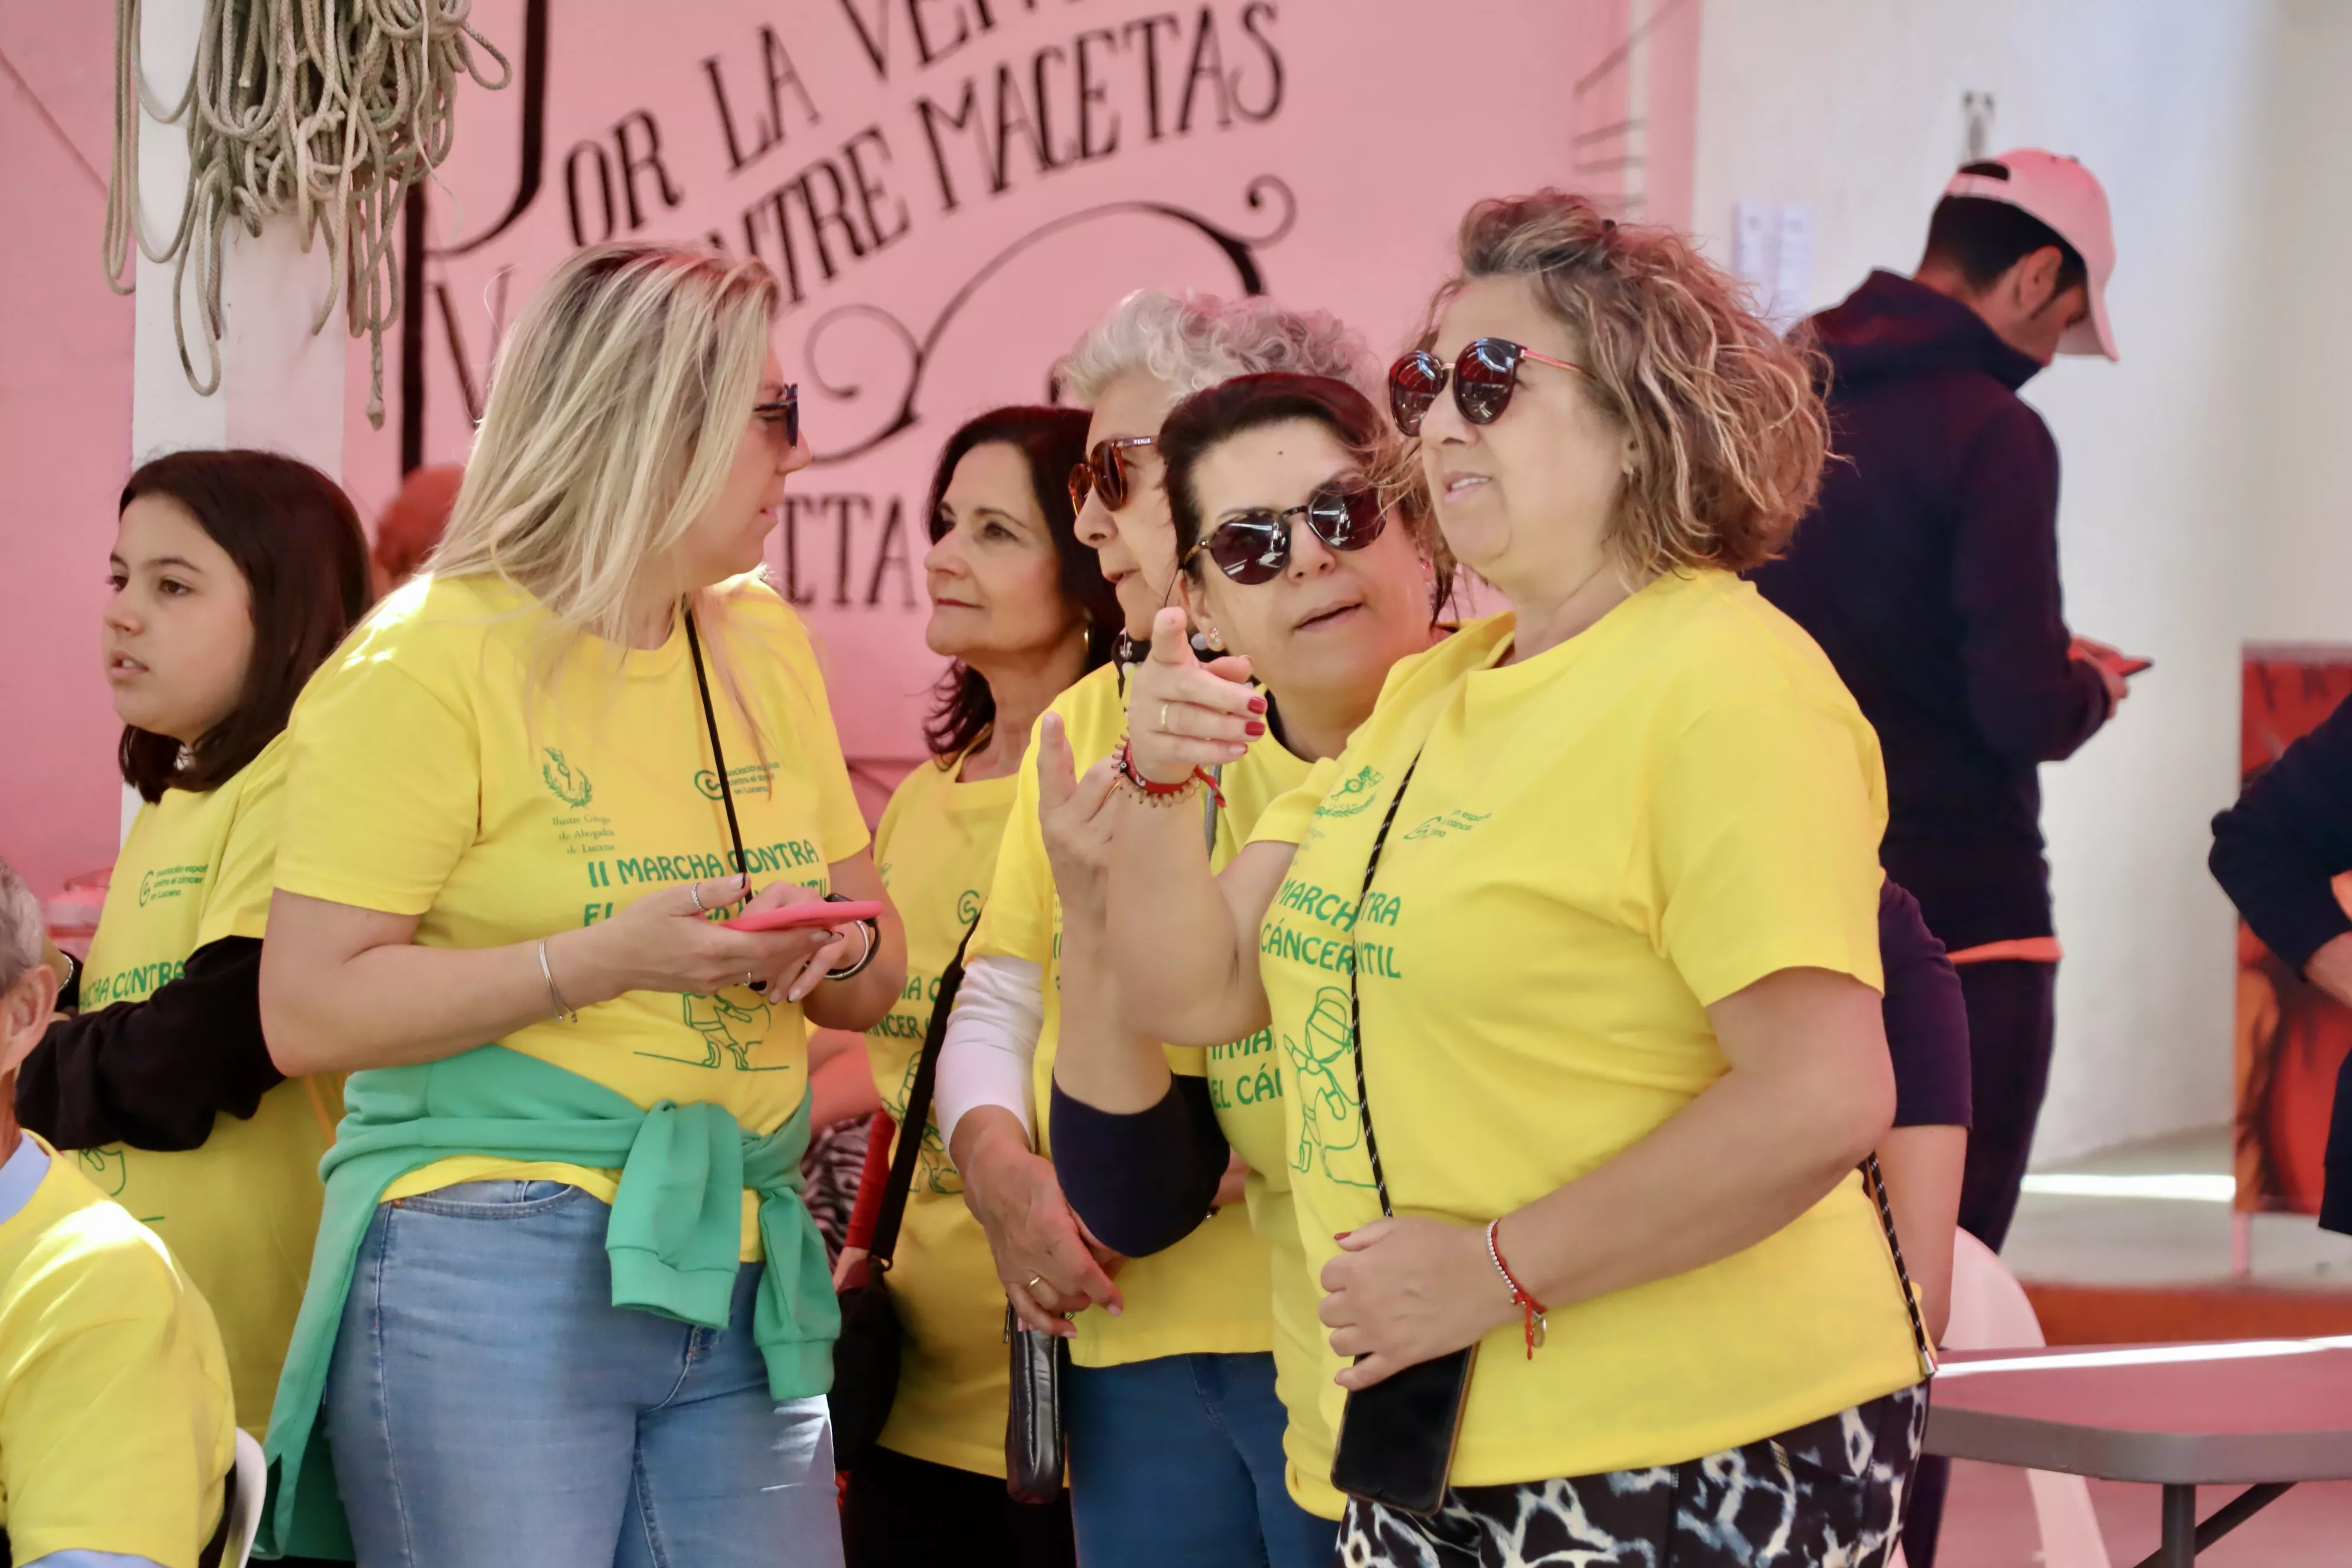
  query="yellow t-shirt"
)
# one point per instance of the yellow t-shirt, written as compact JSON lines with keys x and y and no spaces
{"x":115,"y":1426}
{"x":240,"y":1213}
{"x":1246,"y":1087}
{"x":1207,"y":1294}
{"x":1599,"y":843}
{"x":465,"y":759}
{"x":936,"y":846}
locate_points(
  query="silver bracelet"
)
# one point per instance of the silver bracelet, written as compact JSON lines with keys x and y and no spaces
{"x":858,"y":968}
{"x":564,"y":1010}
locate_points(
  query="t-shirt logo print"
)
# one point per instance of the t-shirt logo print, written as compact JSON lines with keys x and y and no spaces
{"x":1328,"y":1119}
{"x":1353,"y":795}
{"x":570,"y":787}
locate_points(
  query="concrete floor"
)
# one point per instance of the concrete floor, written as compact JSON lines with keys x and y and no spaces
{"x":2121,"y":1237}
{"x":2128,"y":1236}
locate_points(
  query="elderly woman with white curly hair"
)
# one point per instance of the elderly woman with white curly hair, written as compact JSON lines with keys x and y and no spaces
{"x":1174,"y":1430}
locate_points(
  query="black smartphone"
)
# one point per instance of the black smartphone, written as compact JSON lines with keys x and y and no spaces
{"x":1396,"y":1437}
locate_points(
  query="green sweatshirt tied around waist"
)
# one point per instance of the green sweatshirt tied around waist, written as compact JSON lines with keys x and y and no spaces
{"x":673,"y":1239}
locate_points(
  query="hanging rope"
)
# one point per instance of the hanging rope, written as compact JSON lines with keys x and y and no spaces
{"x":324,"y":111}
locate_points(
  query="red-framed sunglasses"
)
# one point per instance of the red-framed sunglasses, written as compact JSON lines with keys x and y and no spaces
{"x":783,"y":415}
{"x":1484,"y":374}
{"x":1106,"y":470}
{"x":1256,"y":546}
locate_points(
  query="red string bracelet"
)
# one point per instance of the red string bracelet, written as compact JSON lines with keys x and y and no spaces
{"x":1533,"y":1309}
{"x":1125,"y":764}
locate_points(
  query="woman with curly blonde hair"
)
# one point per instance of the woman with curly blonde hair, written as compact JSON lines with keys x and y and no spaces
{"x":1570,"y":959}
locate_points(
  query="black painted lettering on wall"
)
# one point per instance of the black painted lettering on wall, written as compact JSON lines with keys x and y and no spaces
{"x":865,"y":557}
{"x":769,"y":127}
{"x":1147,"y":30}
{"x":892,"y":552}
{"x":1255,"y":17}
{"x":1093,"y":92}
{"x":939,"y":28}
{"x":1063,"y":105}
{"x":586,"y":162}
{"x":1208,"y":65}
{"x":590,"y":178}
{"x":638,"y":137}
{"x":837,"y":218}
{"x":869,"y":186}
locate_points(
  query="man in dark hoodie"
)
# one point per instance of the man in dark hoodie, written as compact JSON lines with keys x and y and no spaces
{"x":1928,"y":574}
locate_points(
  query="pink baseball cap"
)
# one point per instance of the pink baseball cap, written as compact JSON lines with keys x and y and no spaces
{"x":2063,"y":194}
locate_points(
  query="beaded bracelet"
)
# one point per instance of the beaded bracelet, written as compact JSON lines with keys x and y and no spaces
{"x":1157,"y":793}
{"x":1533,"y":1309}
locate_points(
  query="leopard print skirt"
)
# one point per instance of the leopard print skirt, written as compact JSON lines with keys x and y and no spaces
{"x":1828,"y":1494}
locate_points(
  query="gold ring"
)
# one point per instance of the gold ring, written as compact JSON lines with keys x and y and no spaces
{"x":1163,"y":720}
{"x":1035,"y":1280}
{"x":749,"y":978}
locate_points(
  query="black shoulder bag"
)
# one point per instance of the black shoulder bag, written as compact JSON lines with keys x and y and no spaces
{"x":865,"y":1357}
{"x":1034,"y":1458}
{"x":1396,"y":1437}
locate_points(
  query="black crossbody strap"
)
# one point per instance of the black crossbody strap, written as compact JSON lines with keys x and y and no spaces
{"x":1874,"y":1181}
{"x":1355,"y":1006}
{"x":717,"y":757}
{"x":912,"y":1126}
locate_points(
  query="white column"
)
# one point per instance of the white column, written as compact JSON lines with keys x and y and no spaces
{"x":281,"y":389}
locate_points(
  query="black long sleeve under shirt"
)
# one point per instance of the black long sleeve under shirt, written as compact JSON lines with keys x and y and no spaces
{"x":154,"y":1074}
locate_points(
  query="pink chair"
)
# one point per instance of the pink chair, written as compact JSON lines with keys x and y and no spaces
{"x":1991,"y":1311}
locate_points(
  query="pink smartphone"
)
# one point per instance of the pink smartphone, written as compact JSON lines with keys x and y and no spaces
{"x":794,"y":917}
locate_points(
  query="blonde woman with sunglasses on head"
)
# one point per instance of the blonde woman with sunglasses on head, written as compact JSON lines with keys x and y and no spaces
{"x":567,"y":1305}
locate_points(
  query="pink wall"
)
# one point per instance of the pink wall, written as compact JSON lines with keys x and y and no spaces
{"x":1334,"y":142}
{"x":65,"y":432}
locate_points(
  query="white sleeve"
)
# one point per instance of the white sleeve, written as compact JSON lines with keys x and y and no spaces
{"x":991,"y":1040}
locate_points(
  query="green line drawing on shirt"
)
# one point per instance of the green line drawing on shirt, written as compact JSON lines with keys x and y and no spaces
{"x":934,"y":1171}
{"x":109,"y":1170}
{"x":1329,"y":1122}
{"x":733,"y":1029}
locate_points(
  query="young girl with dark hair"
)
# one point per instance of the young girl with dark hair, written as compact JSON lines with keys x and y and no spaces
{"x":1020,"y":606}
{"x":235,"y":574}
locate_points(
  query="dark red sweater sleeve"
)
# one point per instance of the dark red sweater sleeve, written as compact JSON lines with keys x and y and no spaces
{"x":2034,"y":702}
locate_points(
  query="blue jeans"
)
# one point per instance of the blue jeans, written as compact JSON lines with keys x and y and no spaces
{"x":490,"y":1408}
{"x":1177,"y":1462}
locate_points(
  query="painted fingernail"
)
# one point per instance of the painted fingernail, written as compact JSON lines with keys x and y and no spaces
{"x":1255,"y":728}
{"x":1258,"y":704}
{"x":1342,"y":1234}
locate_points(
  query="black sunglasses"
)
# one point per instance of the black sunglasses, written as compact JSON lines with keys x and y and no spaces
{"x":1256,"y":546}
{"x":785,"y":412}
{"x":1485,"y":374}
{"x":1107,"y":471}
